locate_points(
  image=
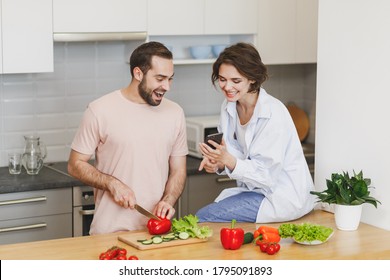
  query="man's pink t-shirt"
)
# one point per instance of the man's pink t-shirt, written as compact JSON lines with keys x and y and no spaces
{"x":132,"y":142}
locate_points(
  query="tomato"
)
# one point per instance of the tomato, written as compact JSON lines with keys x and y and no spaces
{"x":277,"y":247}
{"x":104,"y":256}
{"x":271,"y":249}
{"x":121,"y":257}
{"x":133,"y":258}
{"x":122,"y":251}
{"x":111,"y":254}
{"x":263,"y":246}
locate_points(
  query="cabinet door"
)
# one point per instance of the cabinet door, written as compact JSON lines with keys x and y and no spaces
{"x":99,"y":16}
{"x":175,"y":17}
{"x":27,"y":36}
{"x":288,"y":31}
{"x":276,"y":32}
{"x":306,"y":31}
{"x":1,"y":47}
{"x":202,"y":190}
{"x":231,"y":17}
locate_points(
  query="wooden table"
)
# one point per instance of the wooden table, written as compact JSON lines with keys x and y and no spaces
{"x":367,"y":242}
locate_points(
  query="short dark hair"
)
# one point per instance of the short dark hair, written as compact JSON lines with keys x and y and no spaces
{"x":246,"y":59}
{"x":142,"y":56}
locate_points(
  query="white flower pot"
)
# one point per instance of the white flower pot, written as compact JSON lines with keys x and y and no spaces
{"x":347,"y":217}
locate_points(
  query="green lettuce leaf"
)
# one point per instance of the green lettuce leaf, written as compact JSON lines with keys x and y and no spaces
{"x":190,"y":225}
{"x":305,"y":232}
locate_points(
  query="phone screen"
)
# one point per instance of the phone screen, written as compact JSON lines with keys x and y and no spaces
{"x":216,"y":137}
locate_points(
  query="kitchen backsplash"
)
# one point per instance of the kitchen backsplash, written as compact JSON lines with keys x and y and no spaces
{"x":51,"y":104}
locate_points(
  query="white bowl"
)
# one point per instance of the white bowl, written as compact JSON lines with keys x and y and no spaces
{"x":217,"y":49}
{"x":200,"y":52}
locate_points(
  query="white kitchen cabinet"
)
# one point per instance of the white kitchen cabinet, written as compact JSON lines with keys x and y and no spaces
{"x":175,"y":17}
{"x":73,"y":16}
{"x":27,"y":42}
{"x":230,"y":17}
{"x":287,"y":31}
{"x":1,"y":46}
{"x":200,"y":17}
{"x":35,"y":215}
{"x":180,"y":24}
{"x":201,"y":190}
{"x":307,"y":30}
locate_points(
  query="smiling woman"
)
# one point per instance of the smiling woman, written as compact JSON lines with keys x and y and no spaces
{"x":261,"y":149}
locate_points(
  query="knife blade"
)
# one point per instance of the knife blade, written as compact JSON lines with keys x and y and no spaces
{"x":145,"y":212}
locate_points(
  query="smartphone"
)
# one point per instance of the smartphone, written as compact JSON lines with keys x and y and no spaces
{"x":216,"y":137}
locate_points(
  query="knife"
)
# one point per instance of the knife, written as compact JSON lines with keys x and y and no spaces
{"x":145,"y":212}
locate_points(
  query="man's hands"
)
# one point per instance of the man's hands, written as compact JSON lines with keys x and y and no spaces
{"x":122,"y":194}
{"x":164,"y":210}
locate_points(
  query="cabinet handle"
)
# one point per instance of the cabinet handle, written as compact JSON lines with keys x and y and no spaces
{"x":87,"y":212}
{"x":23,"y":200}
{"x":40,"y":225}
{"x":224,"y":179}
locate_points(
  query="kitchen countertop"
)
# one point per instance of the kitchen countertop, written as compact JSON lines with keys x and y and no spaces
{"x":46,"y":179}
{"x":367,"y":242}
{"x":54,"y":175}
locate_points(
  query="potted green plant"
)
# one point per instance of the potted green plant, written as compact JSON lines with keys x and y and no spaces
{"x":348,"y":193}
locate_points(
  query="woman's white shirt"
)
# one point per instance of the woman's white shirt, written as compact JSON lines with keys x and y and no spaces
{"x":272,"y":161}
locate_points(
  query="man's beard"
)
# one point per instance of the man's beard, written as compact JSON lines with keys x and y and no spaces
{"x":147,"y":95}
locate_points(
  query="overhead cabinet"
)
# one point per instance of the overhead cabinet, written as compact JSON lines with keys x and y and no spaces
{"x":187,"y":23}
{"x":99,"y":16}
{"x":201,"y":17}
{"x":287,"y":31}
{"x":230,"y":17}
{"x":1,"y":44}
{"x":26,"y":42}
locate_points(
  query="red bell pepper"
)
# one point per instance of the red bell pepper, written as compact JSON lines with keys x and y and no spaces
{"x":232,"y":238}
{"x":159,"y":226}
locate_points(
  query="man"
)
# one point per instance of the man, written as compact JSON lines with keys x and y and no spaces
{"x":140,"y":146}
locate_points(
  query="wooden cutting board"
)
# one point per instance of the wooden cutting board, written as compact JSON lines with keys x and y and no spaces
{"x":131,"y":239}
{"x":301,"y":120}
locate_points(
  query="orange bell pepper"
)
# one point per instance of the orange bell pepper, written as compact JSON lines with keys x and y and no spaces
{"x":266,"y":234}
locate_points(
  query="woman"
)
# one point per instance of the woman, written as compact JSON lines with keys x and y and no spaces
{"x":261,"y":149}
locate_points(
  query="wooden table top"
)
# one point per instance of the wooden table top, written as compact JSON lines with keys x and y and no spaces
{"x":367,"y":242}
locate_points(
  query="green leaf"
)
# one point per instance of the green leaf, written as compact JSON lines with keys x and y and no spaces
{"x":346,"y":190}
{"x":190,"y":225}
{"x":305,"y":231}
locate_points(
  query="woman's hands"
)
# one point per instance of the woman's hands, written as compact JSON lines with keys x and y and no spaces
{"x":214,"y":159}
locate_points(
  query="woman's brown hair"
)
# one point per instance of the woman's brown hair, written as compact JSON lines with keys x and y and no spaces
{"x":246,"y":59}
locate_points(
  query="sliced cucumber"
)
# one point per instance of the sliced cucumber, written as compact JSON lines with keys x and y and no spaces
{"x":184,"y":235}
{"x":169,"y":236}
{"x":166,"y":239}
{"x":147,"y":241}
{"x":157,"y":240}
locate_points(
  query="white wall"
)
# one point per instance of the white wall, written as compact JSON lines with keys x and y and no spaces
{"x":353,"y":97}
{"x":51,"y":104}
